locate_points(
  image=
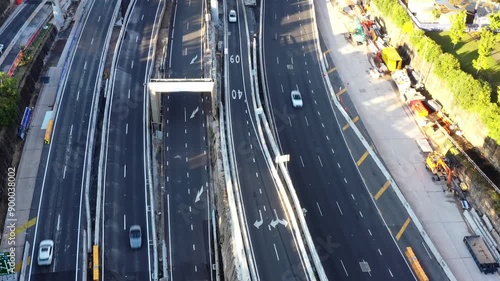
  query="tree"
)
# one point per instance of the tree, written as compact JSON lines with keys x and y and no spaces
{"x":8,"y":99}
{"x":494,"y":19}
{"x":486,"y":42}
{"x":480,"y":63}
{"x":457,"y":30}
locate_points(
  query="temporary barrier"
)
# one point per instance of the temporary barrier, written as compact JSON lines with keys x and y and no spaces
{"x":415,"y":264}
{"x":48,"y":131}
{"x":95,"y":259}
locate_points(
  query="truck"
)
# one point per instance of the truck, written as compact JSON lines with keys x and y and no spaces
{"x":481,"y":254}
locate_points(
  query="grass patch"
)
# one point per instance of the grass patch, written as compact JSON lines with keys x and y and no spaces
{"x":466,"y":51}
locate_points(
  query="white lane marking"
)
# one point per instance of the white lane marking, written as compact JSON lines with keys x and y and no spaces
{"x":327,"y":138}
{"x":309,"y":81}
{"x":186,"y":145}
{"x":124,"y":171}
{"x":369,"y":231}
{"x":264,"y":207}
{"x":257,"y":174}
{"x":194,"y":247}
{"x":352,"y":195}
{"x":195,"y":268}
{"x":379,"y":251}
{"x":191,"y":227}
{"x":129,"y":95}
{"x":64,"y":173}
{"x":187,"y":159}
{"x":169,"y":234}
{"x":339,"y":208}
{"x":307,"y":122}
{"x":253,"y":160}
{"x":189,"y":190}
{"x":136,"y":38}
{"x":322,"y":125}
{"x":277,"y":60}
{"x":92,"y":41}
{"x":361,"y":213}
{"x":190,"y":209}
{"x":142,"y":18}
{"x":276,"y":251}
{"x":282,"y":88}
{"x":302,"y":161}
{"x":291,"y":59}
{"x":78,"y":95}
{"x":187,"y":175}
{"x":71,"y":130}
{"x":320,"y":161}
{"x":126,"y":129}
{"x":333,"y":151}
{"x":132,"y":65}
{"x":290,"y":121}
{"x":390,"y":272}
{"x":321,"y":213}
{"x":345,"y":180}
{"x":338,"y":165}
{"x":99,"y":19}
{"x":58,"y":222}
{"x":194,"y":59}
{"x":124,"y":222}
{"x":344,"y":268}
{"x":185,"y":115}
{"x":85,"y":66}
{"x":260,"y":191}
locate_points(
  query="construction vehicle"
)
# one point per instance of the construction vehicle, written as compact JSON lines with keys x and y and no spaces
{"x":438,"y":167}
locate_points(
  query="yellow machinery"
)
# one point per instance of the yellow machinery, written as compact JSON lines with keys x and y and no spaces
{"x":439,"y":169}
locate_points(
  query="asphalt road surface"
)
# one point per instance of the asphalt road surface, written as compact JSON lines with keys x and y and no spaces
{"x":352,"y":240}
{"x":187,"y":219}
{"x":60,"y":214}
{"x":273,"y":244}
{"x":125,"y":188}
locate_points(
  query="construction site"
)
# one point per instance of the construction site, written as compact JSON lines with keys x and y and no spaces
{"x":450,"y":158}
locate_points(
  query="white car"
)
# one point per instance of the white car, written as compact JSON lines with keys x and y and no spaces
{"x":296,"y":99}
{"x":45,"y":252}
{"x":232,"y":16}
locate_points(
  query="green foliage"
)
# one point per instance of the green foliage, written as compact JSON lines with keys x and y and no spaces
{"x":8,"y":99}
{"x":480,"y":63}
{"x":457,"y":29}
{"x":469,"y":93}
{"x":436,"y":14}
{"x":494,"y":20}
{"x":486,"y":43}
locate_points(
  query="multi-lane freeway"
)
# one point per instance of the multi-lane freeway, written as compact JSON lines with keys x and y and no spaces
{"x":187,"y":219}
{"x":273,"y":246}
{"x":351,"y":237}
{"x":60,"y":211}
{"x":125,"y":177}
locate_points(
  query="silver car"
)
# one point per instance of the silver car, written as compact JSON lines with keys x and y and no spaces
{"x":135,"y":235}
{"x":296,"y":99}
{"x":232,"y":16}
{"x":45,"y":252}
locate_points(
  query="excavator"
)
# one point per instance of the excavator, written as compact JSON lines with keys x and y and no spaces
{"x":438,"y":167}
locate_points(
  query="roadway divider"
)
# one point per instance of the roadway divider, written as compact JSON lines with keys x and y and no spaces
{"x":148,"y":161}
{"x":239,"y":255}
{"x":335,"y":99}
{"x":296,"y":231}
{"x":284,"y":171}
{"x":48,"y":132}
